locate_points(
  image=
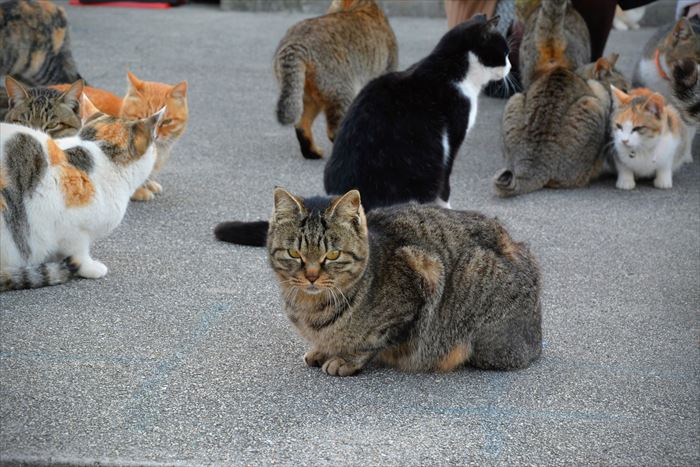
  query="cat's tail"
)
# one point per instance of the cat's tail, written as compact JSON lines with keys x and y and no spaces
{"x":42,"y":275}
{"x":243,"y":233}
{"x":550,"y":39}
{"x":291,"y":73}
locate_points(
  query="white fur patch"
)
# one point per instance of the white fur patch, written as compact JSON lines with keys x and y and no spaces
{"x":477,"y":77}
{"x":445,"y":148}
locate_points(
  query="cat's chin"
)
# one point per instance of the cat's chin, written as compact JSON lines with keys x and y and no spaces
{"x":312,"y":290}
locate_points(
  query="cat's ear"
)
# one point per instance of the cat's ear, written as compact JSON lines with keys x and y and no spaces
{"x":287,"y":206}
{"x":136,"y":86}
{"x":655,"y":104}
{"x":492,"y":23}
{"x":15,"y":91}
{"x":179,"y":91}
{"x":72,"y":96}
{"x":348,"y":208}
{"x":620,"y":97}
{"x":87,"y":109}
{"x":682,"y":31}
{"x":612,"y":59}
{"x":143,"y":132}
{"x":155,"y":120}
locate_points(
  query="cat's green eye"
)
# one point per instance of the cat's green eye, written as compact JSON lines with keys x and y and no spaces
{"x":332,"y":255}
{"x":294,"y":253}
{"x":638,"y":128}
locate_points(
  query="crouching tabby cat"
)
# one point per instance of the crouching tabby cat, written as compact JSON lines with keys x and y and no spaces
{"x":416,"y":287}
{"x":58,"y":196}
{"x":322,"y":63}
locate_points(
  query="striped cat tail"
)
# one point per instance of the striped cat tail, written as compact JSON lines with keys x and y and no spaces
{"x":291,"y":71}
{"x":243,"y":233}
{"x":42,"y":275}
{"x":549,"y":35}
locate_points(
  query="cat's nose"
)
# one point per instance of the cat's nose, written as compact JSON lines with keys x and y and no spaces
{"x":626,"y":142}
{"x":312,"y":274}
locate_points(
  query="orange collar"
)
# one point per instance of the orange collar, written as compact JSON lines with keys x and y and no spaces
{"x":662,"y":73}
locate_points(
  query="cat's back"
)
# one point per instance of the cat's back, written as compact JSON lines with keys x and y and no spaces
{"x":550,"y":97}
{"x":444,"y":233}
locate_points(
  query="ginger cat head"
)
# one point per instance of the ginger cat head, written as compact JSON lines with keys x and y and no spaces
{"x":145,"y":98}
{"x":638,"y":119}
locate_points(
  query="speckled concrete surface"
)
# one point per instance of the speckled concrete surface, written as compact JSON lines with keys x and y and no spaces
{"x":182,"y":354}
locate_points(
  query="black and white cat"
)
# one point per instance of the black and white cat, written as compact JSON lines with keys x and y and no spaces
{"x":400,"y":136}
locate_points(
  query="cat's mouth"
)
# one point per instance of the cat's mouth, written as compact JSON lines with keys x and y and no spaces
{"x":313,"y":289}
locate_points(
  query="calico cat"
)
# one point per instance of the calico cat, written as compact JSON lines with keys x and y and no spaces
{"x":650,"y":138}
{"x":572,"y":43}
{"x":322,"y":63}
{"x":54,"y":112}
{"x":144,"y":98}
{"x":669,"y":45}
{"x":35,"y":43}
{"x":418,"y":288}
{"x":685,"y":85}
{"x":554,"y":133}
{"x":604,"y":70}
{"x":58,"y":196}
{"x":402,"y":133}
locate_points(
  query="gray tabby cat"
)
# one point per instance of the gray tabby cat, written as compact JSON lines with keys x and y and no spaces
{"x":573,"y":40}
{"x":686,"y":90}
{"x":416,"y":287}
{"x":554,"y":133}
{"x":53,"y":112}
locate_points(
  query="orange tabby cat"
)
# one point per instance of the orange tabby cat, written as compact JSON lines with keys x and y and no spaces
{"x":140,"y":99}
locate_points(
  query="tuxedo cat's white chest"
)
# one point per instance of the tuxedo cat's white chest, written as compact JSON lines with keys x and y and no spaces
{"x":471,"y":92}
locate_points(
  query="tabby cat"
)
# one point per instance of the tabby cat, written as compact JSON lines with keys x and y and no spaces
{"x":416,"y":287}
{"x":686,"y":90}
{"x":322,"y":63}
{"x":144,"y":98}
{"x":58,"y":196}
{"x":669,"y":45}
{"x":650,"y":138}
{"x":554,"y":133}
{"x":53,"y":112}
{"x":548,"y":28}
{"x":604,"y":70}
{"x":35,"y":44}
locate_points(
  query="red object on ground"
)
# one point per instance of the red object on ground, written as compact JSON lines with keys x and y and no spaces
{"x":123,"y":4}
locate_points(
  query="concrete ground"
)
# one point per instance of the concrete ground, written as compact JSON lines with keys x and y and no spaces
{"x":182,"y":354}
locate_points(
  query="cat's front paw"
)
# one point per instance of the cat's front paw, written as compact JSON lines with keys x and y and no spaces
{"x":663,"y":181}
{"x":92,"y":270}
{"x":314,"y":358}
{"x":142,"y":194}
{"x":625,"y":183}
{"x":337,"y":366}
{"x":153,"y":186}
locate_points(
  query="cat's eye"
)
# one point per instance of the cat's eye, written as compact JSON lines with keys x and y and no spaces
{"x":619,"y":127}
{"x":638,"y":129}
{"x":332,"y":255}
{"x":294,"y":253}
{"x":167,"y":121}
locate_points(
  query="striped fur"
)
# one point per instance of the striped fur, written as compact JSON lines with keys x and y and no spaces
{"x":35,"y":43}
{"x":42,"y":275}
{"x":415,"y":287}
{"x":322,"y":63}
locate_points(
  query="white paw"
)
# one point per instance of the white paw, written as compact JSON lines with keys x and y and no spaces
{"x":92,"y":270}
{"x":663,"y":182}
{"x":624,"y":183}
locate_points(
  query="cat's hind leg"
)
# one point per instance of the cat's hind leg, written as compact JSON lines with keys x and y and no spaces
{"x":79,"y":248}
{"x":335,"y":110}
{"x":304,"y":128}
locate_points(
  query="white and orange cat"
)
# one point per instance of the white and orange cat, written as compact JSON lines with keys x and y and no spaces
{"x":58,"y":196}
{"x":142,"y":99}
{"x":650,"y":138}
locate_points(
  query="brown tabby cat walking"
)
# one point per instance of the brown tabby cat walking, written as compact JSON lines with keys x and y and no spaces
{"x":322,"y":63}
{"x":416,"y":287}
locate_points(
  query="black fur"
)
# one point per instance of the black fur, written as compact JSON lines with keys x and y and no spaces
{"x":243,"y":233}
{"x":389,"y":145}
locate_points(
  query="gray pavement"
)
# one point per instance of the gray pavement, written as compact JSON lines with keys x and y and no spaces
{"x":182,"y":355}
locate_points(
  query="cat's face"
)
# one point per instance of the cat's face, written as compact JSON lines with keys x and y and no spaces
{"x":604,"y":70}
{"x":492,"y":51}
{"x":53,"y":112}
{"x":637,"y":120}
{"x":145,"y":98}
{"x":317,"y":246}
{"x":124,"y":141}
{"x":681,"y":43}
